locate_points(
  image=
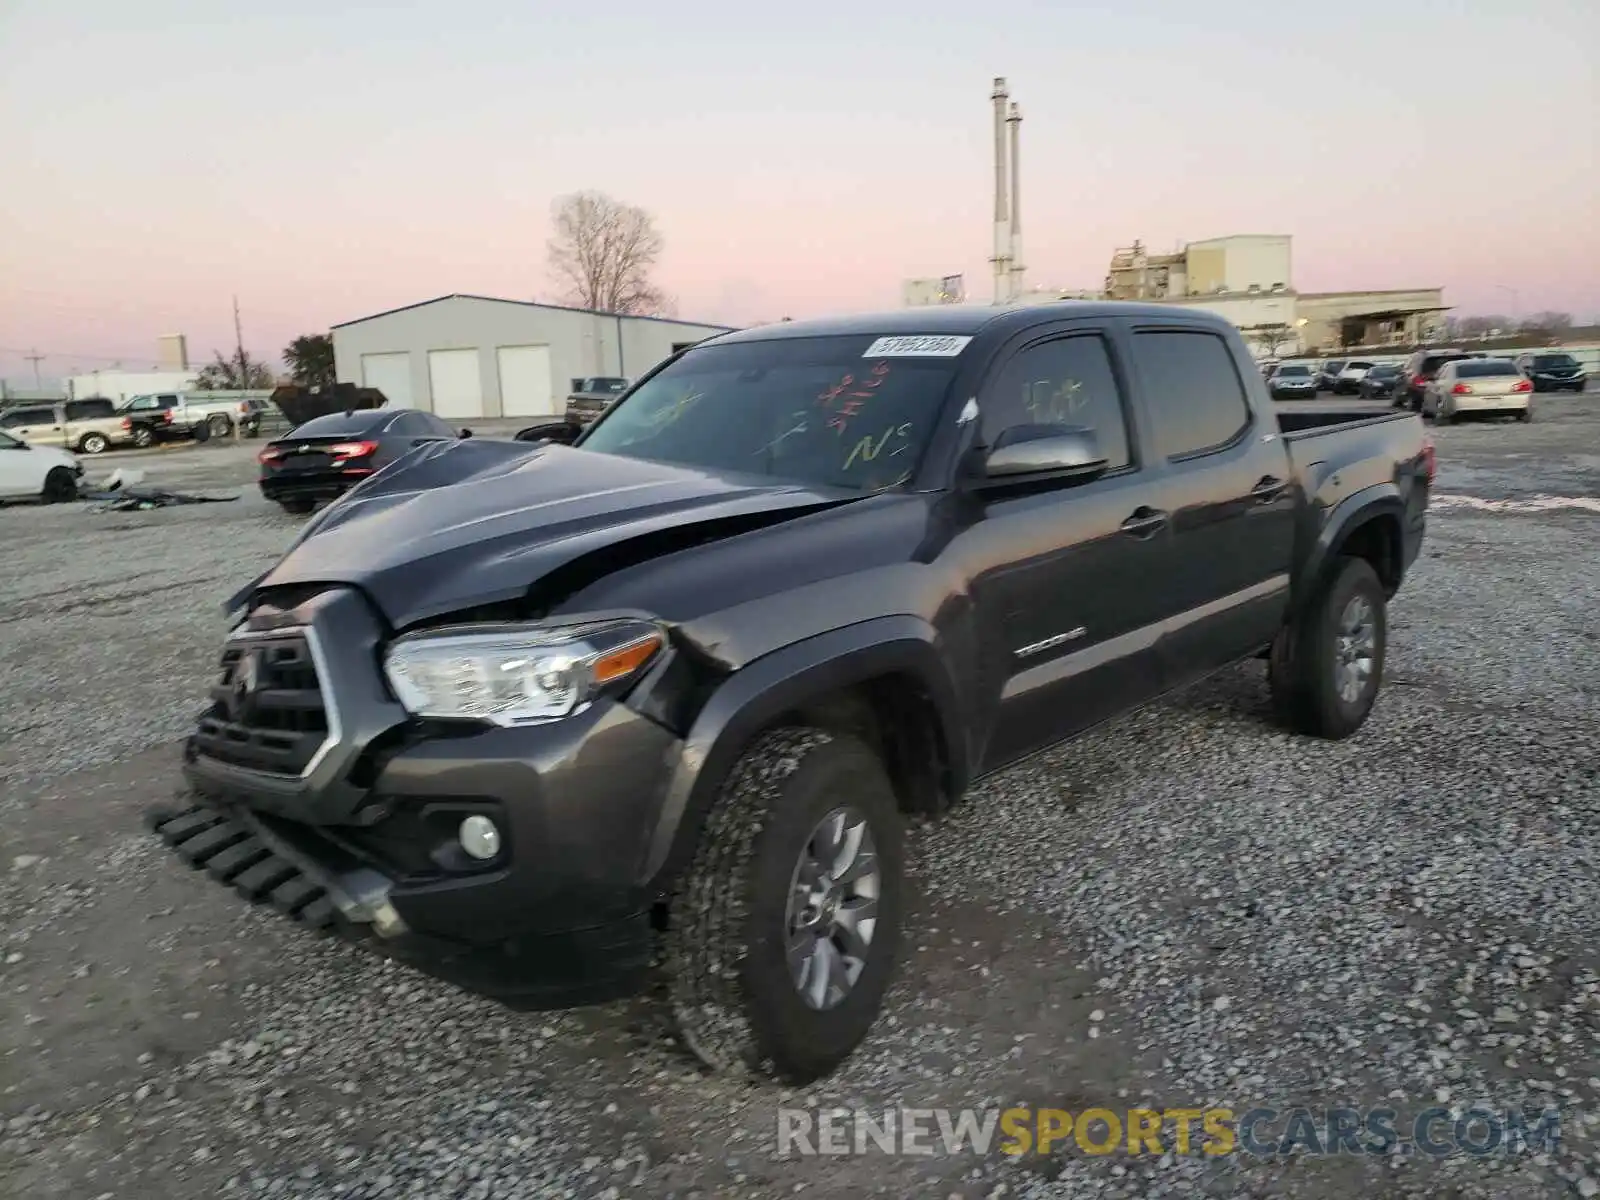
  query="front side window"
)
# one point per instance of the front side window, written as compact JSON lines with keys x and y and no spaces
{"x":820,"y":411}
{"x":1066,"y":381}
{"x":1196,"y":397}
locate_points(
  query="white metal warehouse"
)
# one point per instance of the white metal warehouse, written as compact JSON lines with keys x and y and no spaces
{"x":476,"y":356}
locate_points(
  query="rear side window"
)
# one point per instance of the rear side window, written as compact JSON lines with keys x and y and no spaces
{"x":88,"y":410}
{"x":1197,"y":399}
{"x":18,"y":417}
{"x":1066,"y":381}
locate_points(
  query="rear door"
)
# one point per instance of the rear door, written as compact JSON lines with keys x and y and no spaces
{"x":1227,"y":486}
{"x":1061,"y":572}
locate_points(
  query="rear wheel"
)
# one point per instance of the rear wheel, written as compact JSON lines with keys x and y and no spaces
{"x":1327,"y":666}
{"x":218,"y":425}
{"x":784,"y":932}
{"x":60,"y":486}
{"x":143,"y":437}
{"x":1525,"y":415}
{"x":298,"y":507}
{"x":93,"y":443}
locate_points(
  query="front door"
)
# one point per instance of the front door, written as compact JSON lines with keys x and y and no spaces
{"x":20,"y":469}
{"x":1061,"y":571}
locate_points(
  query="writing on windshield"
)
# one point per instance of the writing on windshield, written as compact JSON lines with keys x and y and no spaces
{"x":804,"y":409}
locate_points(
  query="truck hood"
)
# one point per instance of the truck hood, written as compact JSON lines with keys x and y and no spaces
{"x":462,"y":523}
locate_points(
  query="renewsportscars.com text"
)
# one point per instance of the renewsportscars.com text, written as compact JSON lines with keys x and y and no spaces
{"x":1264,"y":1132}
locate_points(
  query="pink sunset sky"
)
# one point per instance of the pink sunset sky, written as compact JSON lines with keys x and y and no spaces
{"x":329,"y":160}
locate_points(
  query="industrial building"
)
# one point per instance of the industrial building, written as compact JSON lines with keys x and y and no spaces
{"x":475,"y":356}
{"x":1248,"y":279}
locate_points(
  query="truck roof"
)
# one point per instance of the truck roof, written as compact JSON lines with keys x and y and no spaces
{"x":968,"y":319}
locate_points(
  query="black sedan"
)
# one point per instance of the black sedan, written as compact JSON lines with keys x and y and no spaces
{"x":1554,"y":372}
{"x":1380,"y":382}
{"x":327,"y":456}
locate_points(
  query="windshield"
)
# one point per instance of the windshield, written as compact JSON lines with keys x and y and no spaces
{"x":1554,"y":360}
{"x":1294,"y":370}
{"x":813,"y":410}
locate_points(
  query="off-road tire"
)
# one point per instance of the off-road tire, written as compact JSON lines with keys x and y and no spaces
{"x":93,"y":443}
{"x":1301,"y":671}
{"x":729,"y":994}
{"x":143,"y":437}
{"x":60,"y":486}
{"x":298,"y":507}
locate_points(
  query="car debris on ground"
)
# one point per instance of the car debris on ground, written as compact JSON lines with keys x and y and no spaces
{"x":122,"y":493}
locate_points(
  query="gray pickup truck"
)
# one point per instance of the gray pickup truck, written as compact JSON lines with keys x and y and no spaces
{"x":559,"y":722}
{"x":592,"y":396}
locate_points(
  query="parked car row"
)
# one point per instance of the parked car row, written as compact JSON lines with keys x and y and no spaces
{"x":94,"y":425}
{"x":1416,"y":383}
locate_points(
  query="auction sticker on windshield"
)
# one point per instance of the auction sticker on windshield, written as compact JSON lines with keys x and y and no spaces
{"x":917,"y":346}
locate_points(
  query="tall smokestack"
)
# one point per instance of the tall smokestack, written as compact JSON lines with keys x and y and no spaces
{"x":1002,"y":209}
{"x":1014,"y":249}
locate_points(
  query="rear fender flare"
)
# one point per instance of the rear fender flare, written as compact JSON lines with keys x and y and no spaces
{"x":1381,"y":500}
{"x":753,"y":696}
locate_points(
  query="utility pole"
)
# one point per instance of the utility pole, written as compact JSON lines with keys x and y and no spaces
{"x":238,"y":341}
{"x":35,"y":358}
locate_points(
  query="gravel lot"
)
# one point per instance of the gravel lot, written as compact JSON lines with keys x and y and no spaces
{"x":1186,"y":907}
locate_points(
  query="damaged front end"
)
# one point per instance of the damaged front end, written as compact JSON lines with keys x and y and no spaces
{"x":409,"y":737}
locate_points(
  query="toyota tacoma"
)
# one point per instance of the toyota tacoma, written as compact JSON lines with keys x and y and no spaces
{"x":561,"y":723}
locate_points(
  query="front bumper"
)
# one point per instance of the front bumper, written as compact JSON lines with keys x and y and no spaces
{"x":368,"y":823}
{"x":531,"y":972}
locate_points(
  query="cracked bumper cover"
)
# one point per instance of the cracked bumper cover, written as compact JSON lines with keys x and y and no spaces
{"x":533,"y":971}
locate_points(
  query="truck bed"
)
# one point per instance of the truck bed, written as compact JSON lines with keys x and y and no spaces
{"x":1299,"y":421}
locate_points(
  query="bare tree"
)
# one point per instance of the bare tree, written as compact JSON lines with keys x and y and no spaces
{"x":1484,"y":325}
{"x":1547,"y":322}
{"x":1270,"y":337}
{"x":236,"y":373}
{"x":602,"y":253}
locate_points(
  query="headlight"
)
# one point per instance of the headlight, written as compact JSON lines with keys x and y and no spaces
{"x":516,"y":674}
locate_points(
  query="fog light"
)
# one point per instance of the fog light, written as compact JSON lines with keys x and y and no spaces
{"x":479,"y":837}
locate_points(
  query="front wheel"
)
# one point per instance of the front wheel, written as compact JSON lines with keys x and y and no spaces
{"x":60,"y":486}
{"x":1327,"y":666}
{"x":784,"y":932}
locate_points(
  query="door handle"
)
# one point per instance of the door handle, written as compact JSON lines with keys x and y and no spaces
{"x":1267,"y":488}
{"x":1144,"y":522}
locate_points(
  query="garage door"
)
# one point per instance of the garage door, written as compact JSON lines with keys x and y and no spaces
{"x":390,"y":374}
{"x":456,"y":383}
{"x":525,"y":389}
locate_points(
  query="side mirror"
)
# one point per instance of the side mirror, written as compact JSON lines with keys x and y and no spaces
{"x":1035,"y":449}
{"x":561,"y":432}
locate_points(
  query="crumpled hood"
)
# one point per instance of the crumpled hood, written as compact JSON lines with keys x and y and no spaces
{"x":476,"y":521}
